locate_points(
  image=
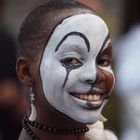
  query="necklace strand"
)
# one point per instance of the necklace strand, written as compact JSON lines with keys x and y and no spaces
{"x":42,"y":127}
{"x":29,"y":131}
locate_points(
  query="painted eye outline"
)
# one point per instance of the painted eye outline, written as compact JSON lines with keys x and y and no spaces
{"x":71,"y":62}
{"x":104,"y":62}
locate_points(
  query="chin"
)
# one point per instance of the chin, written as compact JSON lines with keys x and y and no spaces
{"x":90,"y":119}
{"x":89,"y":116}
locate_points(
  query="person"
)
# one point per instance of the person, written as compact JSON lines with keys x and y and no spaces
{"x":64,"y":60}
{"x":127,"y":70}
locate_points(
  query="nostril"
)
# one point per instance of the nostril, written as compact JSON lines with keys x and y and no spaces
{"x":94,"y":81}
{"x":90,"y":77}
{"x":90,"y":82}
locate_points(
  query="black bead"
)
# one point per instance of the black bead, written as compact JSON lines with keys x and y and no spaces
{"x":50,"y":130}
{"x":44,"y":128}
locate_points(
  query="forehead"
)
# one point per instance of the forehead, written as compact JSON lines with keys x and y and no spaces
{"x":88,"y":27}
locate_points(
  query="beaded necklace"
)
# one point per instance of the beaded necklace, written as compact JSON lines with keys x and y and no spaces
{"x":27,"y":122}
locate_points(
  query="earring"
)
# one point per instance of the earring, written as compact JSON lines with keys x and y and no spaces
{"x":33,"y":108}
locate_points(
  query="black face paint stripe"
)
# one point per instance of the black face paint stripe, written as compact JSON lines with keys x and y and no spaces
{"x":106,"y":39}
{"x":68,"y":70}
{"x":75,"y":34}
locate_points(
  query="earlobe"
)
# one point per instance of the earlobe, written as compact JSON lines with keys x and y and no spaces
{"x":23,"y":67}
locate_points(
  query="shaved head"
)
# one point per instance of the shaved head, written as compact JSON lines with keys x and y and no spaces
{"x":40,"y":23}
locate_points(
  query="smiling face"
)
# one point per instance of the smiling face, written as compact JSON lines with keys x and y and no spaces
{"x":75,"y":68}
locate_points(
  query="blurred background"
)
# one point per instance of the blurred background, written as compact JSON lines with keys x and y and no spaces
{"x":122,"y":111}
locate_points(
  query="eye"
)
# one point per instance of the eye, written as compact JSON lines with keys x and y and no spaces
{"x":71,"y":63}
{"x":104,"y":62}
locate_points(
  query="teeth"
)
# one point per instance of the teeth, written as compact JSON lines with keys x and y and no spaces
{"x":81,"y":96}
{"x":96,"y":97}
{"x":85,"y":97}
{"x":88,"y":97}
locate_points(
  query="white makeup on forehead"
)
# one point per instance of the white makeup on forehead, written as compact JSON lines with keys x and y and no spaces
{"x":89,"y":32}
{"x":91,"y":26}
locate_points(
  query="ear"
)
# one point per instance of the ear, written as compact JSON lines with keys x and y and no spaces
{"x":23,"y":68}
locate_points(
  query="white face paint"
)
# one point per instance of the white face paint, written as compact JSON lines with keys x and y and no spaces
{"x":81,"y":38}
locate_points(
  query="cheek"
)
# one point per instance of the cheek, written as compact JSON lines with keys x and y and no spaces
{"x":110,"y":80}
{"x":53,"y":76}
{"x":73,"y":78}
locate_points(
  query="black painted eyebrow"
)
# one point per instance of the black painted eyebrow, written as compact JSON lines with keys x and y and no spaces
{"x":75,"y":34}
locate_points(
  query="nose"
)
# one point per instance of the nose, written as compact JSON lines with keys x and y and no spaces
{"x":91,"y":82}
{"x":90,"y":75}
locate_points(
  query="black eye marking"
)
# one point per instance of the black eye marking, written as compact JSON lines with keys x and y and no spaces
{"x":75,"y":34}
{"x":71,"y":63}
{"x":67,"y":75}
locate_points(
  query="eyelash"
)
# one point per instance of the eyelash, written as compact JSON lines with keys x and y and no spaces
{"x":104,"y":62}
{"x":72,"y":63}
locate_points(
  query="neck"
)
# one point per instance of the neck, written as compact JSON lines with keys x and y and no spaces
{"x":50,"y":117}
{"x":33,"y":130}
{"x":55,"y":119}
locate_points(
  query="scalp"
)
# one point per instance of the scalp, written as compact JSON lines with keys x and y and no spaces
{"x":40,"y":23}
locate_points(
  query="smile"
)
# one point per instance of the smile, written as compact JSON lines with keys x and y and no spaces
{"x":89,"y":100}
{"x":88,"y":97}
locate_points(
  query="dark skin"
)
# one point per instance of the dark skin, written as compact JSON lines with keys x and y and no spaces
{"x":29,"y":75}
